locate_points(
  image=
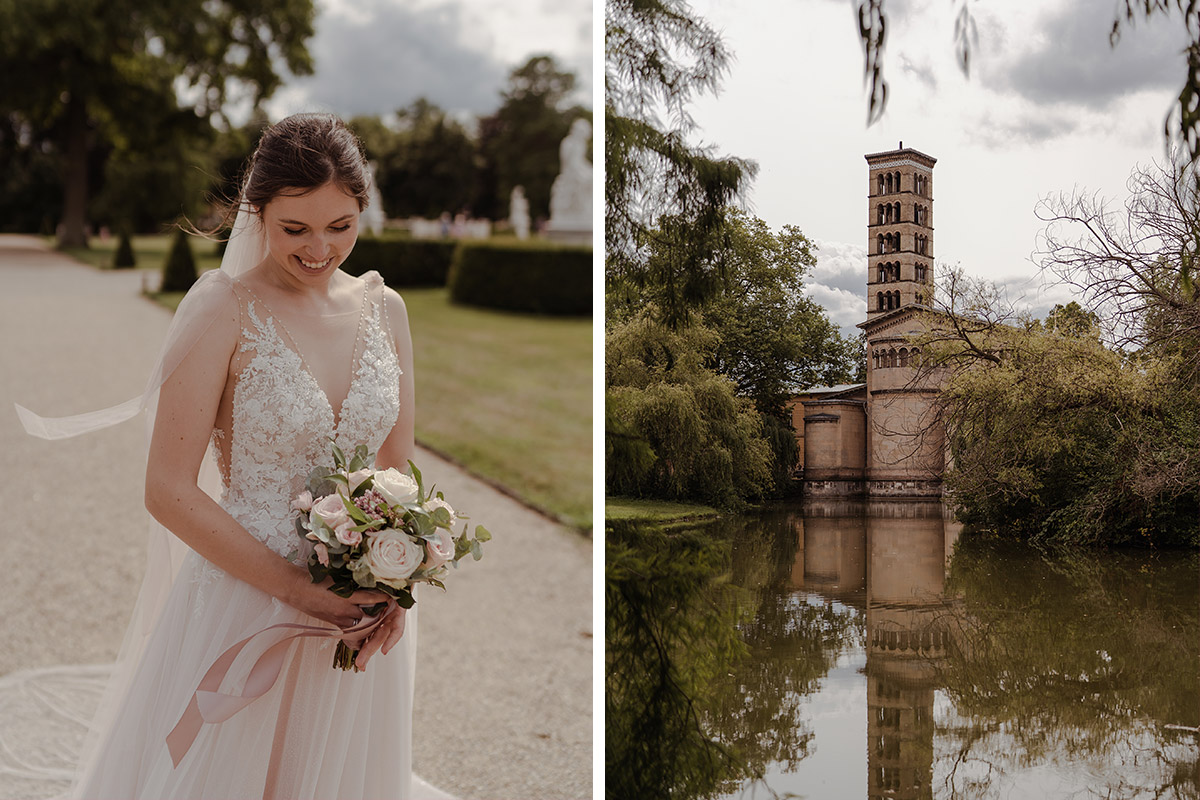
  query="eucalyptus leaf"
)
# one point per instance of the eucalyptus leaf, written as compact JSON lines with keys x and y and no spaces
{"x":356,"y":513}
{"x":441,"y":517}
{"x":476,"y":550}
{"x":481,"y":533}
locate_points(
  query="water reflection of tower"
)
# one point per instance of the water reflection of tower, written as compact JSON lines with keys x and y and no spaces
{"x":907,"y":547}
{"x":831,"y":557}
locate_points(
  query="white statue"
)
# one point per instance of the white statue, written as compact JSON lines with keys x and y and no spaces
{"x":518,"y":212}
{"x":372,"y":218}
{"x":571,"y":194}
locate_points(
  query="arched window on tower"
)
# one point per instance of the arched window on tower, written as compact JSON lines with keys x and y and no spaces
{"x":920,"y":270}
{"x":882,"y":275}
{"x":879,"y":248}
{"x":879,"y":301}
{"x":880,"y":214}
{"x":904,"y":356}
{"x":897,"y":181}
{"x":896,"y":212}
{"x":891,"y":186}
{"x":880,"y":184}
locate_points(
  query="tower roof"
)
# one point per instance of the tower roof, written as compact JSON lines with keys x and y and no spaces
{"x":902,"y":152}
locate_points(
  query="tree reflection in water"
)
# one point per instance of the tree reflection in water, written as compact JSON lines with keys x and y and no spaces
{"x":703,"y":677}
{"x":1070,"y":666}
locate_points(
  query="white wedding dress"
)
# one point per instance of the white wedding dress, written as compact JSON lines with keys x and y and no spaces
{"x":318,"y":732}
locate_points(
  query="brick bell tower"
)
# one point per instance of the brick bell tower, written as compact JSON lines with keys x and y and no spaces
{"x":899,"y":230}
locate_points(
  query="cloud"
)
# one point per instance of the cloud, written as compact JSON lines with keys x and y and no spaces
{"x":1023,"y":127}
{"x":384,"y":56}
{"x":1063,"y":57}
{"x":838,"y":283}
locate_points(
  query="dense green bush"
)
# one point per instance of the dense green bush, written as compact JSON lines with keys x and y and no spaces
{"x":675,"y":430}
{"x":540,"y":278}
{"x":123,"y":258}
{"x":179,"y":270}
{"x":402,"y":262}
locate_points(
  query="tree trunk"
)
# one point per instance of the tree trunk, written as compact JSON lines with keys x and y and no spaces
{"x":71,"y":231}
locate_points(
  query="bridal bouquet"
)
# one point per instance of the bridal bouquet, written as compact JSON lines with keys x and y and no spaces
{"x":378,"y":529}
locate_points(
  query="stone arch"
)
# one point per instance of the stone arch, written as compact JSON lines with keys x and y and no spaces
{"x":880,"y":247}
{"x":879,"y":300}
{"x":891,"y":357}
{"x":904,"y":356}
{"x":880,"y":214}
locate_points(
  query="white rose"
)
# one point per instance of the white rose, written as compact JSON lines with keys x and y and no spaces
{"x":393,"y":556}
{"x":395,"y":486}
{"x":439,"y":549}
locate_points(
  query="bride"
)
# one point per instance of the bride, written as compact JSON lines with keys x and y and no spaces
{"x":268,"y":360}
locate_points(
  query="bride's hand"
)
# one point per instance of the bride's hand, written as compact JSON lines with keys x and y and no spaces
{"x":383,"y":638}
{"x":316,"y":600}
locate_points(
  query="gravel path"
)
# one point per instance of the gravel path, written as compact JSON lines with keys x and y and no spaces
{"x":504,"y":681}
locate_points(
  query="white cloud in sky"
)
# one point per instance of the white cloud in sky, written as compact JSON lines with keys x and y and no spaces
{"x":376,"y":56}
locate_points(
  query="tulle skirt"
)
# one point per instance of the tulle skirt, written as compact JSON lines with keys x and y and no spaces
{"x":318,"y":732}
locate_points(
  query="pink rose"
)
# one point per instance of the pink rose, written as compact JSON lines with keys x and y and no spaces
{"x":331,"y":510}
{"x":438,"y":549}
{"x":322,"y":553}
{"x":303,"y":501}
{"x":347,"y":535}
{"x":393,"y":556}
{"x":357,"y":477}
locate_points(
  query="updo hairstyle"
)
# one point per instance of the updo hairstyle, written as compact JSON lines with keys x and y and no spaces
{"x":304,"y":152}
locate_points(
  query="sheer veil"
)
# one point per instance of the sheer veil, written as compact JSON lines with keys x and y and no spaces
{"x":165,"y":553}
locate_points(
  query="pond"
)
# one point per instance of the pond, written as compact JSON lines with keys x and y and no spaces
{"x":869,"y":650}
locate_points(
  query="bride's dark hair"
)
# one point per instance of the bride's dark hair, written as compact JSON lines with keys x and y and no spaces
{"x":304,"y":152}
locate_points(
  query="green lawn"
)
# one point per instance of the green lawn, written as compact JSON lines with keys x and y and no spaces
{"x":506,"y":395}
{"x":509,"y":396}
{"x":628,"y":508}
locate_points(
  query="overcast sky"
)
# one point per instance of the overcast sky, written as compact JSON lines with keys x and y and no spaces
{"x":1048,"y":107}
{"x":376,"y":56}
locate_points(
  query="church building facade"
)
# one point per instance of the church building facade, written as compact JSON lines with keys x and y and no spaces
{"x":884,"y":438}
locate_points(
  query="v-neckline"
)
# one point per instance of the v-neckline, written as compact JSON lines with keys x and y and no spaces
{"x":289,"y":341}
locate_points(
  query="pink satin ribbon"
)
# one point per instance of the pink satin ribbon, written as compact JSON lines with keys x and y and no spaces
{"x":210,"y":705}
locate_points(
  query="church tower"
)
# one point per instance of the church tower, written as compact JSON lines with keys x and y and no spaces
{"x":899,"y":230}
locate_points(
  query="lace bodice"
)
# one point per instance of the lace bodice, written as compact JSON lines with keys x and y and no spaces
{"x":283,"y":421}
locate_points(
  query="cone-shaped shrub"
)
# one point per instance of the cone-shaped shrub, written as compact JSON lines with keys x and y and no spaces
{"x":179,"y":271}
{"x":124,"y":258}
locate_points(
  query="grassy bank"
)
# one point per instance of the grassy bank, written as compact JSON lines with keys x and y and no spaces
{"x":635,"y":510}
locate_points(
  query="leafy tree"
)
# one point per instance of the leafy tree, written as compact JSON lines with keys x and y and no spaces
{"x":427,"y":165}
{"x":520,"y":141}
{"x":1057,"y":437}
{"x":658,"y":56}
{"x":84,"y":72}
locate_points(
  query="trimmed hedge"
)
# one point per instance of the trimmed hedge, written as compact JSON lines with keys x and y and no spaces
{"x":402,"y":262}
{"x":179,"y":270}
{"x":124,"y":257}
{"x":538,"y":278}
